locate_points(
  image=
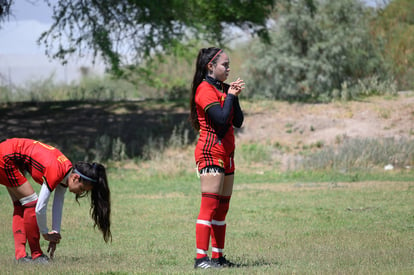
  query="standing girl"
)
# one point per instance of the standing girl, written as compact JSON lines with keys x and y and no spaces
{"x":215,"y":110}
{"x":50,"y":168}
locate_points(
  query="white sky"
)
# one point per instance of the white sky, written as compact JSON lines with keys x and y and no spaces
{"x":22,"y":60}
{"x":28,"y":20}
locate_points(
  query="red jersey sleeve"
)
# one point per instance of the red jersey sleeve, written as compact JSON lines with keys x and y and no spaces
{"x":48,"y":164}
{"x":206,"y":96}
{"x":56,"y":171}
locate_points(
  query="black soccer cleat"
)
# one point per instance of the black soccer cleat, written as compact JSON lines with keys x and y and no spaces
{"x":204,"y":263}
{"x":223,"y":262}
{"x":42,"y":259}
{"x":26,"y":259}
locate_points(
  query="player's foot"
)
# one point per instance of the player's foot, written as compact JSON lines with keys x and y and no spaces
{"x":204,"y":263}
{"x":26,"y":259}
{"x":223,"y":262}
{"x":42,"y":259}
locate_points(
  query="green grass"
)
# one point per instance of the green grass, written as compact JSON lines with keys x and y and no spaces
{"x":278,"y":223}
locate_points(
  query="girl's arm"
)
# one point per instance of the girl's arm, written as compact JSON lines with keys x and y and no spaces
{"x":57,"y":209}
{"x":238,"y":114}
{"x":41,"y":217}
{"x":41,"y":209}
{"x":220,"y":115}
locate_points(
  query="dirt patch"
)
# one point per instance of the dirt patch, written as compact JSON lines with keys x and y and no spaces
{"x":307,"y":124}
{"x":294,"y":127}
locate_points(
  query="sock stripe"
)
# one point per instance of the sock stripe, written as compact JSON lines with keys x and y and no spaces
{"x":218,"y":250}
{"x":29,"y":200}
{"x":204,"y":222}
{"x":201,"y":251}
{"x":219,"y":223}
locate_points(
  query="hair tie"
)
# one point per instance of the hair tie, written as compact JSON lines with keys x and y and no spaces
{"x":211,"y":60}
{"x":83,"y":176}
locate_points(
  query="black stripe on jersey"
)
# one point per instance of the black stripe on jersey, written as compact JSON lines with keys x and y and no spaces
{"x":23,"y":163}
{"x":28,"y":161}
{"x":9,"y":170}
{"x":10,"y":175}
{"x":211,"y":140}
{"x":37,"y":165}
{"x":206,"y":145}
{"x":207,"y":148}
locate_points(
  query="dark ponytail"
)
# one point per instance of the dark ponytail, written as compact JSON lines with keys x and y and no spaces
{"x":205,"y":56}
{"x":100,"y":196}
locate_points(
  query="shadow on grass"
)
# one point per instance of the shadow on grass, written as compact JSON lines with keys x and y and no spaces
{"x":79,"y":128}
{"x":254,"y":263}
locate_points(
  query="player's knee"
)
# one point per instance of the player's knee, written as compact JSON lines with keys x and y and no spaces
{"x":29,"y":201}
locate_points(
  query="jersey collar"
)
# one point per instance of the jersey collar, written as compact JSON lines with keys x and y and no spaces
{"x":216,"y":83}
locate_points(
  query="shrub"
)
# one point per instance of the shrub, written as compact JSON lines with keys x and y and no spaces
{"x":395,"y":26}
{"x":318,"y":48}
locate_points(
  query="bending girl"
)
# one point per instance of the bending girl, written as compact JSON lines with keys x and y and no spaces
{"x":50,"y":168}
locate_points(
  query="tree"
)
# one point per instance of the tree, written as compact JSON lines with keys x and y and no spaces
{"x":129,"y":31}
{"x":395,"y":26}
{"x":318,"y":47}
{"x":5,"y":9}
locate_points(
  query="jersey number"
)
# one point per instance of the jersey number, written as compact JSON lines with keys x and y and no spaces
{"x":45,"y":145}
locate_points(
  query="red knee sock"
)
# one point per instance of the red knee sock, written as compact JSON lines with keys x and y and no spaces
{"x":19,"y":233}
{"x":32,"y":230}
{"x":218,"y":232}
{"x":209,"y":204}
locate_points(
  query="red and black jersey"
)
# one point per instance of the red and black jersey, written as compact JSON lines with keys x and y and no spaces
{"x":207,"y":95}
{"x":43,"y":162}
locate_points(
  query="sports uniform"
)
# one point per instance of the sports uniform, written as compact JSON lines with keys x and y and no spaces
{"x":217,"y":113}
{"x":214,"y":112}
{"x":48,"y":167}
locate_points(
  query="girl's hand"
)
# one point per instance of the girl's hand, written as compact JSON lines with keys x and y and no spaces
{"x":236,"y":87}
{"x":52,"y":236}
{"x":51,"y":249}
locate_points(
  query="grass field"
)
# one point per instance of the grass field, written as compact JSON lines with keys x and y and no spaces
{"x":277,"y":223}
{"x":283,"y":219}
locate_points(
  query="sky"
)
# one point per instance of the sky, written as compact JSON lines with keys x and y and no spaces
{"x":22,"y":60}
{"x":20,"y":32}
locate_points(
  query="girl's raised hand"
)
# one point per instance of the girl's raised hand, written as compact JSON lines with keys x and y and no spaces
{"x":237,"y":86}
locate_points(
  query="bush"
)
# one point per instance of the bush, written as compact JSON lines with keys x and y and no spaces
{"x":395,"y":26}
{"x":318,"y":48}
